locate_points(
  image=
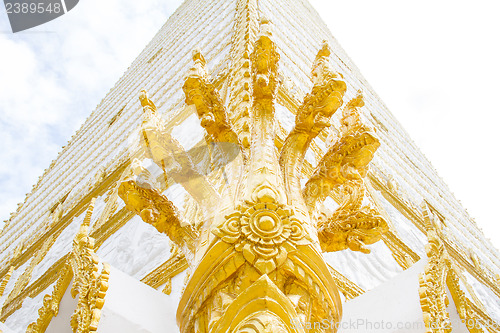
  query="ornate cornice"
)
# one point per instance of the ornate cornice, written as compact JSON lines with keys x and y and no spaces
{"x":347,"y":287}
{"x":401,"y":252}
{"x":166,"y":271}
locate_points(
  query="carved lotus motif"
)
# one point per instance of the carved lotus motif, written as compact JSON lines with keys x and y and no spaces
{"x":265,"y":232}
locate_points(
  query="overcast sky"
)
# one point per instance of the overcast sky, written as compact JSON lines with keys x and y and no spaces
{"x":434,"y":63}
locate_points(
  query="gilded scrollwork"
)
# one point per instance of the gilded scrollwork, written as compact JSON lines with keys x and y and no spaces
{"x":433,"y":298}
{"x":82,"y":267}
{"x":50,"y":305}
{"x":88,"y":283}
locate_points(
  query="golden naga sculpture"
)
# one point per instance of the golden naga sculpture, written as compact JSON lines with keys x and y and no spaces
{"x":351,"y":226}
{"x":347,"y":159}
{"x":312,"y":117}
{"x":256,"y":262}
{"x":345,"y":164}
{"x":201,"y":92}
{"x":177,"y":164}
{"x":155,"y":209}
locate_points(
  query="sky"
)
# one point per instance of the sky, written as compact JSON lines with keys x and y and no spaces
{"x":435,"y":64}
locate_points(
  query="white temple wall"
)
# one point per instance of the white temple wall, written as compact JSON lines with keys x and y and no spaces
{"x":131,"y":307}
{"x":62,"y":322}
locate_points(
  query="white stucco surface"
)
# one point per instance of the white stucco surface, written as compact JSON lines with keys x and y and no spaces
{"x":132,"y":306}
{"x":391,"y":305}
{"x":5,"y":329}
{"x":62,"y":322}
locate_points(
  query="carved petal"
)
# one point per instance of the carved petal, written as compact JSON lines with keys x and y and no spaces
{"x":262,"y":300}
